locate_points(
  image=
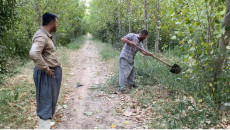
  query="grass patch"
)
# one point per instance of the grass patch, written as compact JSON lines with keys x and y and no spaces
{"x":12,"y":67}
{"x":107,"y":51}
{"x":76,"y":44}
{"x":15,"y":106}
{"x":17,"y":100}
{"x":179,"y":101}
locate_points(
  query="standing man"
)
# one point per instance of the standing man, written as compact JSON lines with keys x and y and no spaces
{"x":127,"y":68}
{"x":47,"y":71}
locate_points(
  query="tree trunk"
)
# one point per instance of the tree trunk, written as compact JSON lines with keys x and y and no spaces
{"x":37,"y":8}
{"x":209,"y":22}
{"x":119,"y":17}
{"x":39,"y":15}
{"x":54,"y":38}
{"x":157,"y":26}
{"x":130,"y":13}
{"x":223,"y":43}
{"x":119,"y":22}
{"x":146,"y":22}
{"x":39,"y":11}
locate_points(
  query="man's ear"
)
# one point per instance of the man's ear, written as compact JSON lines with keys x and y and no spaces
{"x":52,"y":22}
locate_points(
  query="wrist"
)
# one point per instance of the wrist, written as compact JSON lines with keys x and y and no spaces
{"x":47,"y":70}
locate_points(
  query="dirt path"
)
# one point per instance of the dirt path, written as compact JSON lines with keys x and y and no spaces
{"x":88,"y":107}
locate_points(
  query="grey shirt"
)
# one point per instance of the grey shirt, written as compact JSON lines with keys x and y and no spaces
{"x":128,"y":52}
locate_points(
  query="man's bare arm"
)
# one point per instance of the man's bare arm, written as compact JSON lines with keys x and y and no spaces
{"x":146,"y":53}
{"x":125,"y":40}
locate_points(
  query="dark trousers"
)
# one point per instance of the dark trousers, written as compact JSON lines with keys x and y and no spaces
{"x":47,"y":91}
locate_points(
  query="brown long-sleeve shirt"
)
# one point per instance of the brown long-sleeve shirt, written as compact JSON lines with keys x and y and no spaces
{"x":43,"y":51}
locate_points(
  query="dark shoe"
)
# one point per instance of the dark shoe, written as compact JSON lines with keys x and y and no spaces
{"x":124,"y":91}
{"x":134,"y":86}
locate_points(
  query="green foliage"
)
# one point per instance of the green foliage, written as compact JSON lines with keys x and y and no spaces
{"x":76,"y":44}
{"x":70,"y":20}
{"x":7,"y":15}
{"x":108,"y":50}
{"x":21,"y":19}
{"x":102,"y":21}
{"x":188,"y":29}
{"x":13,"y":110}
{"x":180,"y":86}
{"x":179,"y":101}
{"x":7,"y":20}
{"x":17,"y":94}
{"x":200,"y":48}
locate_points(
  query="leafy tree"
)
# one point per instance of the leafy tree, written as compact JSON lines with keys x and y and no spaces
{"x":197,"y":31}
{"x":7,"y":19}
{"x":21,"y":19}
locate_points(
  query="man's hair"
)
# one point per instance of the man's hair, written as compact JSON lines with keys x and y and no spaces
{"x":47,"y":18}
{"x":144,"y":32}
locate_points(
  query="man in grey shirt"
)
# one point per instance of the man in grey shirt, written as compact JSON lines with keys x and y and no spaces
{"x":127,"y":68}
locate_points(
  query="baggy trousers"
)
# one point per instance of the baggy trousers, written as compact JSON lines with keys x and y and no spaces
{"x":47,"y":91}
{"x":126,"y":74}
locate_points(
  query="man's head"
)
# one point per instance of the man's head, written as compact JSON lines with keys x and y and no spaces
{"x":50,"y":20}
{"x":143,"y":34}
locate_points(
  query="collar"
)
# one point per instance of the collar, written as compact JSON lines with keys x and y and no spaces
{"x":46,"y":32}
{"x":138,"y":37}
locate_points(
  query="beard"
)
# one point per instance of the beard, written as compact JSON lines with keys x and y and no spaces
{"x":142,"y":39}
{"x":53,"y":29}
